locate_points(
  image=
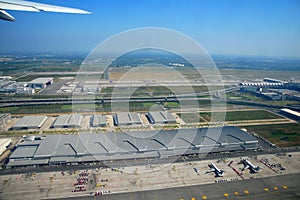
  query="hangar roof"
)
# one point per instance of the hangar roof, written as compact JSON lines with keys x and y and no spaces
{"x":41,"y":80}
{"x":110,"y":146}
{"x":161,"y":116}
{"x":67,"y":120}
{"x":128,"y":118}
{"x":30,"y":122}
{"x":24,"y":152}
{"x":98,"y":120}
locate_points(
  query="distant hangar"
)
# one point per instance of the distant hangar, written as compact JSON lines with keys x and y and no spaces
{"x":127,"y":119}
{"x":29,"y":122}
{"x":98,"y":120}
{"x":161,"y":117}
{"x":75,"y":120}
{"x":41,"y":83}
{"x":68,"y":121}
{"x":91,"y":148}
{"x":291,"y":113}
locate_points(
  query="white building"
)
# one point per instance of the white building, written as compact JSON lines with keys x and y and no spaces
{"x":3,"y":144}
{"x":291,"y":113}
{"x":40,"y":83}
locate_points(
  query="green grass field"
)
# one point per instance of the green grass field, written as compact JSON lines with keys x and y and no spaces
{"x":171,"y":104}
{"x":190,"y":117}
{"x":283,"y":135}
{"x":154,"y":90}
{"x":242,"y":115}
{"x":79,"y":107}
{"x":64,"y":108}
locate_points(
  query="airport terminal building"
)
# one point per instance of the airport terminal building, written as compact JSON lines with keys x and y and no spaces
{"x":96,"y":148}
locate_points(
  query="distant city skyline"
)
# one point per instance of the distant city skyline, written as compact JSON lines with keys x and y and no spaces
{"x":229,"y":27}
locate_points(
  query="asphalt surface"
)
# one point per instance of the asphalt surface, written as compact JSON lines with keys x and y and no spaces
{"x":278,"y":187}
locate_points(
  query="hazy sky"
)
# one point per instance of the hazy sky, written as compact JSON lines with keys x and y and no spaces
{"x":243,"y":27}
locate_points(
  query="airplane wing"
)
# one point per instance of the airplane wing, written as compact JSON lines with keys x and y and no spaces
{"x":246,"y":167}
{"x":21,"y":5}
{"x":211,"y":170}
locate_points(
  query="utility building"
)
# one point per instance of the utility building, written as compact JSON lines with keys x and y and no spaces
{"x":29,"y":122}
{"x":4,"y":143}
{"x":98,"y":120}
{"x":4,"y":119}
{"x":127,"y":119}
{"x":68,"y":121}
{"x":161,"y":117}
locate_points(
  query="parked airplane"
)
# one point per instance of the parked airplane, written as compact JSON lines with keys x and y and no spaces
{"x":249,"y":165}
{"x":196,"y":170}
{"x":214,"y":168}
{"x":21,"y":5}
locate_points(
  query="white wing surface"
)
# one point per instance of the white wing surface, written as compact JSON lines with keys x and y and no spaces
{"x":33,"y":7}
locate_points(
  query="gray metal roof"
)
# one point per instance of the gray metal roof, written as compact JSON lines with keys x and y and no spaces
{"x":98,"y":120}
{"x":3,"y":116}
{"x":110,"y":146}
{"x":161,"y":117}
{"x":30,"y":143}
{"x":61,"y":145}
{"x":30,"y":122}
{"x":24,"y":152}
{"x":73,"y":120}
{"x":41,"y":80}
{"x":27,"y":162}
{"x":127,"y":118}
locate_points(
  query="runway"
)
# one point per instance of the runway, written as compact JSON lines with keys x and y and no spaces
{"x":276,"y":187}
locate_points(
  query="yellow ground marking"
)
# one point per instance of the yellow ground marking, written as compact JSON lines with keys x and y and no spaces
{"x":285,"y":187}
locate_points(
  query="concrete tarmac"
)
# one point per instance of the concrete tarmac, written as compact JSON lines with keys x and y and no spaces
{"x":162,"y":181}
{"x":273,"y":188}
